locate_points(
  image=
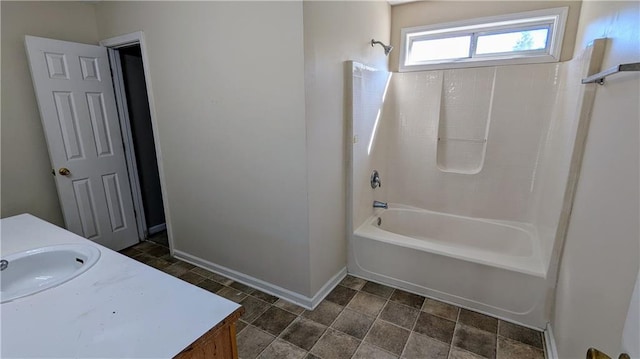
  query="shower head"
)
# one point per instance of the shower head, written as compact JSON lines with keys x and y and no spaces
{"x":387,"y":48}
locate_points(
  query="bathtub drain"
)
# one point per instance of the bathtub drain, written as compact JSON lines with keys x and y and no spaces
{"x":379,"y":221}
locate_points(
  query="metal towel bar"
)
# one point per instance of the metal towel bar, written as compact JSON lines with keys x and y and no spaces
{"x":599,"y":77}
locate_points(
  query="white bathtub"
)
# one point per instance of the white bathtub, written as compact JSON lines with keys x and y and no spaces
{"x":489,"y":266}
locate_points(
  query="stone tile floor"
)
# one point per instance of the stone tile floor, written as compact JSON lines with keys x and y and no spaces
{"x":160,"y":238}
{"x":358,"y":319}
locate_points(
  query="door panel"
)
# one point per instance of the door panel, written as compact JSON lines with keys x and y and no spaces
{"x":114,"y":201}
{"x":99,"y":123}
{"x":86,"y":207}
{"x":68,"y":120}
{"x":57,"y":66}
{"x":90,"y":69}
{"x":78,"y":111}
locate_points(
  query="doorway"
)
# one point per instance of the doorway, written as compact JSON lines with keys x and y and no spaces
{"x":144,"y":161}
{"x":132,"y":99}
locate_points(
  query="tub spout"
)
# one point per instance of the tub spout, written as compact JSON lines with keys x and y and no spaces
{"x":378,"y":204}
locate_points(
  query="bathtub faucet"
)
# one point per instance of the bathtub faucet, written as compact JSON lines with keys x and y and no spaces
{"x":378,"y":204}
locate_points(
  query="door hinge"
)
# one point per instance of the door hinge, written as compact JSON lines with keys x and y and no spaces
{"x":53,"y":172}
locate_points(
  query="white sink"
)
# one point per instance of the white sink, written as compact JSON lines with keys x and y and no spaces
{"x":39,"y":269}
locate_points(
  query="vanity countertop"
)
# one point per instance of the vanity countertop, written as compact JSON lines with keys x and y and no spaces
{"x":119,"y":308}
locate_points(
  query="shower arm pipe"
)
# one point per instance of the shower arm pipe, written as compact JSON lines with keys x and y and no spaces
{"x":387,"y":48}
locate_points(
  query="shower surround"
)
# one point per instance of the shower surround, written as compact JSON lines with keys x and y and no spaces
{"x":474,"y":165}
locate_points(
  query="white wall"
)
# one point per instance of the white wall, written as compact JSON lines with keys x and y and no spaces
{"x":334,"y":32}
{"x":369,"y":133}
{"x":507,"y":186}
{"x":559,"y":162}
{"x":27,"y":183}
{"x":228,"y":84}
{"x":518,"y":102}
{"x":601,"y":254}
{"x":554,"y":161}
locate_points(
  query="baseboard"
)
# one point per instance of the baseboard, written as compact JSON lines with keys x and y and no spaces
{"x":288,"y":295}
{"x":551,"y":351}
{"x":157,"y":228}
{"x":328,"y":287}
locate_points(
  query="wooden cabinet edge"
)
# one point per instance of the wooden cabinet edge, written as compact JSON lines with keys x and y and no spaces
{"x":218,"y":342}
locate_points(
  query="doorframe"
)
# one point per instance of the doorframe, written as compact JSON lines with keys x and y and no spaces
{"x":112,"y":44}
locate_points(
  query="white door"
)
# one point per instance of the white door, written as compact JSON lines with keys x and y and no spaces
{"x":78,"y":111}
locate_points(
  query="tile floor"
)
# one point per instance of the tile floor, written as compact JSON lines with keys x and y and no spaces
{"x":358,"y":319}
{"x":160,"y":238}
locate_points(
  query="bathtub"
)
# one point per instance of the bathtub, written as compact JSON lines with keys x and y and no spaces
{"x":489,"y":266}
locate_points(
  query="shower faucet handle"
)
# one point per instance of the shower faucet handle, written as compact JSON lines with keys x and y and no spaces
{"x":375,"y":179}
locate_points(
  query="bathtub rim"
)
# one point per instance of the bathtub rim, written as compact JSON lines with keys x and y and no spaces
{"x":533,"y":265}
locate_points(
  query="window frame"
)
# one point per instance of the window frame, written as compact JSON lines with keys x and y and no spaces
{"x":553,"y":19}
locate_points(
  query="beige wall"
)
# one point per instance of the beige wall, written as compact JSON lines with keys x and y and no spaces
{"x":228,"y":84}
{"x":334,"y":32}
{"x":27,"y":183}
{"x":436,"y":12}
{"x":601,"y":254}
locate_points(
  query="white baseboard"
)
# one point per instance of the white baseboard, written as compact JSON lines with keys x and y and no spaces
{"x":550,"y":348}
{"x":157,"y":228}
{"x":288,"y":295}
{"x":328,"y":287}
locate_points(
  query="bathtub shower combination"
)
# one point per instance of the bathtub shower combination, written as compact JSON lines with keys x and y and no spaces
{"x":473,"y":164}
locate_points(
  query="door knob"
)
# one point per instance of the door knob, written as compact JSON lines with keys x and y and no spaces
{"x":64,"y":171}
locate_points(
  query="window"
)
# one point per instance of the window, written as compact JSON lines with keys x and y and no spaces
{"x":528,"y":37}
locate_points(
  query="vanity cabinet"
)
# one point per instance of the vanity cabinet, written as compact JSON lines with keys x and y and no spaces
{"x":117,"y":308}
{"x":218,"y":343}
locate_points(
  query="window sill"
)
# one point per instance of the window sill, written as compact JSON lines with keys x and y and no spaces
{"x":479,"y":62}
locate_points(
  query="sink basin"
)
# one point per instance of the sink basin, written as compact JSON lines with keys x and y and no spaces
{"x":39,"y":269}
